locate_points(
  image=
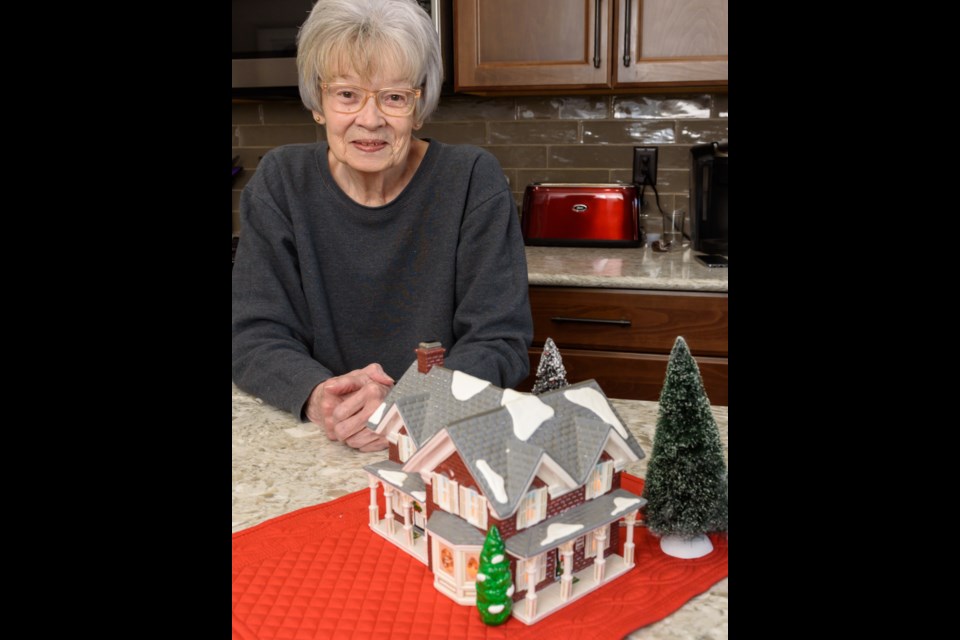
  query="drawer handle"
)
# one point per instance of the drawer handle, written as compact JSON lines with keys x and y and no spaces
{"x":620,"y":323}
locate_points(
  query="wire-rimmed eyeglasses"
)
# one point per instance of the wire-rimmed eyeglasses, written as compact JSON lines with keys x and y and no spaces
{"x":347,"y":98}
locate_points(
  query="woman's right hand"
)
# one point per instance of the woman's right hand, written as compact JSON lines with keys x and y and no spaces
{"x":343,"y":404}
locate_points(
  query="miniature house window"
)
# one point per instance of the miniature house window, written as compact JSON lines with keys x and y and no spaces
{"x":520,"y":579}
{"x":473,"y":507}
{"x":590,"y":551}
{"x":445,"y":563}
{"x":405,"y":447}
{"x":533,"y":508}
{"x":472,"y":565}
{"x":601,"y":479}
{"x":445,"y":493}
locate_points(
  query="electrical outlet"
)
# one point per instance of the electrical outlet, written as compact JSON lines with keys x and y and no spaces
{"x":645,"y":165}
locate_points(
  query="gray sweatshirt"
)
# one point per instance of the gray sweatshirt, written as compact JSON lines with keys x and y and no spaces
{"x":323,"y":285}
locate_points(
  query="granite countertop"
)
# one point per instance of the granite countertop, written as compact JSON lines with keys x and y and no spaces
{"x":628,"y":268}
{"x":280,"y":465}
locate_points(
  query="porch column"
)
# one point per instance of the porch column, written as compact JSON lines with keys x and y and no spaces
{"x":388,"y":500}
{"x":532,"y":565}
{"x":407,"y":502}
{"x":566,"y":580}
{"x":600,"y":535}
{"x":372,"y":509}
{"x":628,"y":546}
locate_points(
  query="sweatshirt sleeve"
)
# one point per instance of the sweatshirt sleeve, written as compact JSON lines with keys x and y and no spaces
{"x":271,"y":328}
{"x":492,"y":322}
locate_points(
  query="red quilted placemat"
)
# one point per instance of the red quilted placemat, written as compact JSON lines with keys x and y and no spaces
{"x":320,"y":572}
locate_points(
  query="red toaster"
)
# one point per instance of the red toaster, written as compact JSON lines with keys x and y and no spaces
{"x":580,"y":215}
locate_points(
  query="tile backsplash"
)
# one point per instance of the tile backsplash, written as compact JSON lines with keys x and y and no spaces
{"x":536,"y":139}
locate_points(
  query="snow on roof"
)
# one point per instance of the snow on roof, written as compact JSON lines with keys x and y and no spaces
{"x":428,"y":402}
{"x":578,"y":520}
{"x":494,"y":480}
{"x":527,"y":412}
{"x":597,"y":403}
{"x":392,"y":473}
{"x":463,"y":386}
{"x":513,"y":433}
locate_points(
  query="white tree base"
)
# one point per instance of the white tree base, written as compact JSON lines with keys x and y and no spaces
{"x":686,"y":548}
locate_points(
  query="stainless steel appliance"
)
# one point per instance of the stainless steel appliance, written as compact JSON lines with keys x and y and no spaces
{"x":708,"y":197}
{"x":264,"y":40}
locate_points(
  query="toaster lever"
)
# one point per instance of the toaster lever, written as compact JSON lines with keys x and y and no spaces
{"x":620,"y":323}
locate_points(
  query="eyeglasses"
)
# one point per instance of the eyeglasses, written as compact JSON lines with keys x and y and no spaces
{"x":345,"y":98}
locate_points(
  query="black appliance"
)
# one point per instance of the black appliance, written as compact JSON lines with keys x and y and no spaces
{"x":708,"y":197}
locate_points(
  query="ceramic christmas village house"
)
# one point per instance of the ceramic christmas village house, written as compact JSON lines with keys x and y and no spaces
{"x":544,"y":469}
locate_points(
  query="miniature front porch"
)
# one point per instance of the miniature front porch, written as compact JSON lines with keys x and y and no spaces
{"x":547,"y":600}
{"x":410,"y":540}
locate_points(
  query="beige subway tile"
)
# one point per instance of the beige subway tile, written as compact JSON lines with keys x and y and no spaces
{"x":511,"y":177}
{"x":674,"y":156}
{"x":250,"y":156}
{"x":274,"y":135}
{"x":645,"y":132}
{"x":701,"y":131}
{"x":454,"y":133}
{"x":246,"y":113}
{"x":590,"y":156}
{"x":519,"y":156}
{"x":286,"y":113}
{"x":533,"y":132}
{"x":526,"y":176}
{"x":466,"y":108}
{"x":719,"y":106}
{"x":243,"y":178}
{"x":662,"y":106}
{"x":563,"y":107}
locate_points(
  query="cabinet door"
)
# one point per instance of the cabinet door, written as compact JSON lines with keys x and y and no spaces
{"x":671,"y":42}
{"x":630,"y":376}
{"x":506,"y":44}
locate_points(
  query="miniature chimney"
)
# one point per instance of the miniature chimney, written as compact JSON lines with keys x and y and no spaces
{"x":428,"y":355}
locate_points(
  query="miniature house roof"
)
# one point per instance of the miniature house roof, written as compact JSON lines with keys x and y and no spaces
{"x":508,"y":438}
{"x":427,"y":402}
{"x":573,"y":523}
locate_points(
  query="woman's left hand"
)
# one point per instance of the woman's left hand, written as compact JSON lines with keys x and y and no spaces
{"x":348,"y":401}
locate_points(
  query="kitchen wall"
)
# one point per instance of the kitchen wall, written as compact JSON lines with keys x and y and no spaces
{"x":541,"y":138}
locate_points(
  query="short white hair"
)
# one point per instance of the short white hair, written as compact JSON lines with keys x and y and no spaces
{"x":363,"y":36}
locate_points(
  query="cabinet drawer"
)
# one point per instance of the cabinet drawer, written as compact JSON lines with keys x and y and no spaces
{"x":629,"y":319}
{"x":631,"y":376}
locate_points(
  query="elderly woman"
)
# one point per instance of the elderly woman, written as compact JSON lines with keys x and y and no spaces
{"x":354,"y":250}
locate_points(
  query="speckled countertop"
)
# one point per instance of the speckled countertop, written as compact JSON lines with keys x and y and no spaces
{"x":280,"y":465}
{"x":630,"y":268}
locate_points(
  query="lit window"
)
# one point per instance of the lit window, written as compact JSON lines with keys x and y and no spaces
{"x":520,"y":580}
{"x":601,"y":479}
{"x":445,"y":493}
{"x":590,"y":550}
{"x":472,"y":566}
{"x":533,"y":508}
{"x":446,"y":559}
{"x":473,"y":507}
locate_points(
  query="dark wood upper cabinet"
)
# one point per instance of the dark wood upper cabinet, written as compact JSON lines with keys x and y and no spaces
{"x":593,"y":45}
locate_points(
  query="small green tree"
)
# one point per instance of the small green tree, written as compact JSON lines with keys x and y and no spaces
{"x":686,"y":483}
{"x":494,"y":581}
{"x":551,"y":374}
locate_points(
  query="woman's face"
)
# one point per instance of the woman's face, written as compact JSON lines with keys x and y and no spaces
{"x":369,"y":141}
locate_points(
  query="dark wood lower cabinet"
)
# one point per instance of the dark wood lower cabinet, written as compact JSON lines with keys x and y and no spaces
{"x":631,"y":376}
{"x":622,"y":337}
